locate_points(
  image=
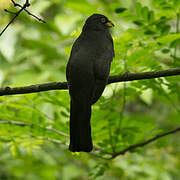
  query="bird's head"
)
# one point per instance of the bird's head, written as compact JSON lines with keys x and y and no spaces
{"x":98,"y":22}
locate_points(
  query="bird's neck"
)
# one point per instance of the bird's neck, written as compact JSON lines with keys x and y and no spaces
{"x":94,"y":33}
{"x":89,"y":27}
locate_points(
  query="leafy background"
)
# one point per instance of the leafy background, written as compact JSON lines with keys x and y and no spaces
{"x":146,"y":37}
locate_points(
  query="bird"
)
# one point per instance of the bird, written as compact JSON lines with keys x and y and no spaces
{"x":87,"y":73}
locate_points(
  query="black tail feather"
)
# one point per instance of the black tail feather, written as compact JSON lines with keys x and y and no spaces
{"x":80,"y":128}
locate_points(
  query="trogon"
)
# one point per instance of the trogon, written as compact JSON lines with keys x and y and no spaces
{"x":87,"y":74}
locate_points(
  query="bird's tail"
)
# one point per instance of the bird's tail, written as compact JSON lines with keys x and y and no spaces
{"x":80,"y":128}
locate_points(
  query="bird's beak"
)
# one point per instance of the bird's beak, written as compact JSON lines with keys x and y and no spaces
{"x":109,"y":24}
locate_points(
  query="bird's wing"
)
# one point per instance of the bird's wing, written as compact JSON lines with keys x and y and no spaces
{"x":101,"y":70}
{"x":74,"y":51}
{"x":98,"y":90}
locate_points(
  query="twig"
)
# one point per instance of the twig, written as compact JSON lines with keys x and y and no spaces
{"x":123,"y":104}
{"x":132,"y":147}
{"x":9,"y":11}
{"x":27,"y":4}
{"x":118,"y":129}
{"x":17,"y":14}
{"x":177,"y":30}
{"x":39,"y":19}
{"x":17,"y":123}
{"x":33,"y":88}
{"x":144,"y":75}
{"x":114,"y":155}
{"x":112,"y":79}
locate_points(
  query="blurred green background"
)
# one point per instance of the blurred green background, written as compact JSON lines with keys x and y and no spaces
{"x":146,"y":37}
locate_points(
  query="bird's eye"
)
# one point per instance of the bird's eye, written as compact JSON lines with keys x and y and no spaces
{"x":103,"y":20}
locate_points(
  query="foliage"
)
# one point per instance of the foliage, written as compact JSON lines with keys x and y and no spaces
{"x":146,"y":37}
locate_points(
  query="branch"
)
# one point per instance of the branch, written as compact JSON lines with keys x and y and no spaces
{"x":22,"y":124}
{"x":114,"y":155}
{"x":132,"y":147}
{"x":33,"y":88}
{"x":39,"y":19}
{"x":112,"y":79}
{"x":144,"y":75}
{"x":23,"y":8}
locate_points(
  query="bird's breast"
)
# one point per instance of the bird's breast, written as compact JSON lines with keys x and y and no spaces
{"x":97,"y":44}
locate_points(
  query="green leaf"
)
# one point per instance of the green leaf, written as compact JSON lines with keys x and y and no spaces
{"x":149,"y":32}
{"x":120,"y":10}
{"x":145,"y":13}
{"x":151,"y":17}
{"x":138,"y":7}
{"x":165,"y":30}
{"x":139,"y":23}
{"x":174,"y":43}
{"x":168,"y":38}
{"x":165,"y":51}
{"x":14,"y":149}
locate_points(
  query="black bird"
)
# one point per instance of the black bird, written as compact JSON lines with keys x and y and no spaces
{"x":87,"y":74}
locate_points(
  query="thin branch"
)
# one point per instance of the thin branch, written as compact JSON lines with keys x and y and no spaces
{"x":34,"y":16}
{"x":9,"y":11}
{"x":144,"y":75}
{"x":22,"y":124}
{"x":39,"y":19}
{"x":123,"y":104}
{"x":119,"y":124}
{"x":17,"y":14}
{"x":112,"y":79}
{"x":23,"y":8}
{"x":177,"y":30}
{"x":33,"y":88}
{"x":132,"y":147}
{"x":114,"y":155}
